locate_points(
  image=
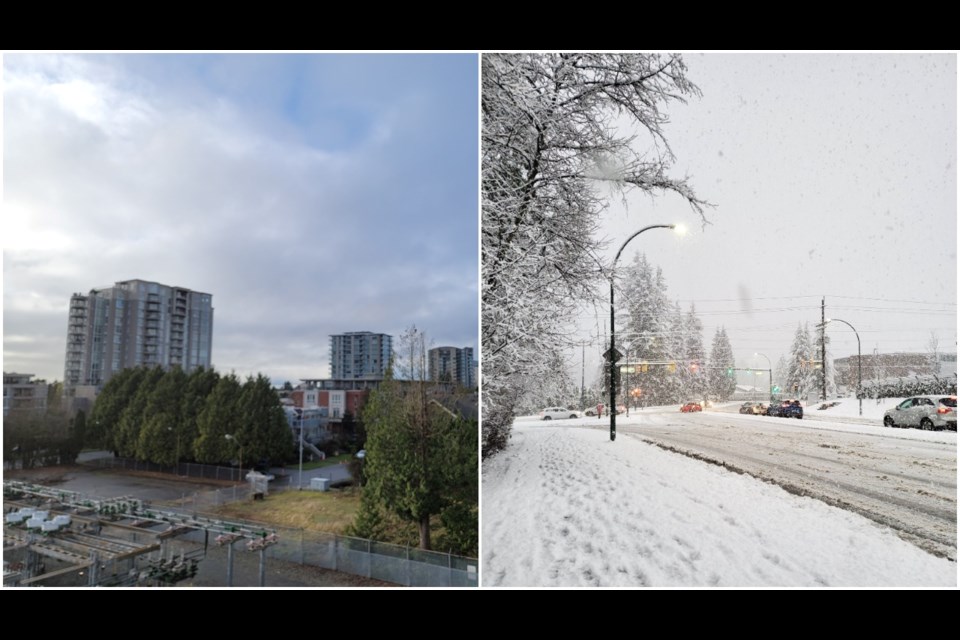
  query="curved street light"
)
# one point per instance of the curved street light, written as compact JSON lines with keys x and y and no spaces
{"x":612,"y":353}
{"x":859,"y":357}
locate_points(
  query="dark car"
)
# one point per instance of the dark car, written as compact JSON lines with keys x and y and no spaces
{"x":790,"y":409}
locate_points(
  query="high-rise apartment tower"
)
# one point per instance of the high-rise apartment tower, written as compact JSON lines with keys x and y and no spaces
{"x":136,"y":323}
{"x":360,"y":355}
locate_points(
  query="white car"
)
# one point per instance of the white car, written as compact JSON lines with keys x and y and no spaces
{"x":558,"y":413}
{"x":927,"y":412}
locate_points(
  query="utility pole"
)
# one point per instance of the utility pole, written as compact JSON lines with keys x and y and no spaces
{"x":583,"y":374}
{"x":823,"y":348}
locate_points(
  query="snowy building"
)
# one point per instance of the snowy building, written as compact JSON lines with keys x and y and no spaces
{"x":893,"y":365}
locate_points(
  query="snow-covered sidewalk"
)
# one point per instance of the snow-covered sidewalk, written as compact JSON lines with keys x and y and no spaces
{"x":564,"y":506}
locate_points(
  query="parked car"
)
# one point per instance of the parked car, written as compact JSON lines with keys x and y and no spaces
{"x":926,"y":412}
{"x":558,"y":413}
{"x":753,"y":408}
{"x":791,"y":409}
{"x":785,"y":409}
{"x":690,"y":407}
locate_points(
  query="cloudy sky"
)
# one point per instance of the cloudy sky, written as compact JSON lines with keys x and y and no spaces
{"x":309,"y":194}
{"x":832,"y":175}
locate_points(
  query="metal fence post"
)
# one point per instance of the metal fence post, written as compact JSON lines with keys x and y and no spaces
{"x":369,"y":561}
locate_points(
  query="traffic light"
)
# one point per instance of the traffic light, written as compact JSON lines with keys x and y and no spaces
{"x":776,"y":389}
{"x":730,"y":371}
{"x":672,"y":367}
{"x":694,"y":367}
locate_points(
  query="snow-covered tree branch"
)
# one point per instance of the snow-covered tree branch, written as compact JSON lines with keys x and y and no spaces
{"x":552,"y":131}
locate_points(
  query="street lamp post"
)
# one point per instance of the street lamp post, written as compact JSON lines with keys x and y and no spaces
{"x":859,"y":368}
{"x":769,"y":373}
{"x":612,"y":354}
{"x":300,"y":477}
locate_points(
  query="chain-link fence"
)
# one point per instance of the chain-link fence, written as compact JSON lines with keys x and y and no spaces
{"x":376,"y":560}
{"x":356,"y":556}
{"x":188,"y":469}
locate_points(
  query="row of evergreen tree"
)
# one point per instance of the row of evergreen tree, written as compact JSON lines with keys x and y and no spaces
{"x":167,"y":417}
{"x":655,"y":329}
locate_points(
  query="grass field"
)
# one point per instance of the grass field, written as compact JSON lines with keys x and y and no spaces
{"x":330,"y":511}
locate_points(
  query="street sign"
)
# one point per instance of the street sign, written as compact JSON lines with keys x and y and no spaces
{"x":612,"y":355}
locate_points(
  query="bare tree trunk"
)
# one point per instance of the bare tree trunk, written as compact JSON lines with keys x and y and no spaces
{"x":425,"y":533}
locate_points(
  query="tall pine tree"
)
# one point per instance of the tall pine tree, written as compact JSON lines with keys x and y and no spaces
{"x":644,"y":319}
{"x":801,"y":379}
{"x":722,"y":384}
{"x":695,"y":356}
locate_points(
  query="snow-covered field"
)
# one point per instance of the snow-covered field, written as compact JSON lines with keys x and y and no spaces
{"x":564,"y":506}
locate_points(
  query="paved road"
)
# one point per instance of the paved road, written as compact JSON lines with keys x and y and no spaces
{"x":904,"y":479}
{"x":291,"y":475}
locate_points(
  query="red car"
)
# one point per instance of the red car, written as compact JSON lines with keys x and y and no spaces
{"x":690,"y":407}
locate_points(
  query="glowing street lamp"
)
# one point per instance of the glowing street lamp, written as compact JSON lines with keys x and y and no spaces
{"x":612,"y":355}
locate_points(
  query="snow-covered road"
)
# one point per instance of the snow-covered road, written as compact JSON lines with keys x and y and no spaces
{"x":905,"y":479}
{"x":564,"y":506}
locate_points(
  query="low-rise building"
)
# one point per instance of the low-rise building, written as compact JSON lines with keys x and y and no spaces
{"x":21,"y":394}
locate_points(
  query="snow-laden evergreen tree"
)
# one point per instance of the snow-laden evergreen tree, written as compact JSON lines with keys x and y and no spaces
{"x":676,"y":378}
{"x":644,"y":324}
{"x":695,"y":356}
{"x":552,"y":136}
{"x":722,"y":383}
{"x":781,"y":373}
{"x":801,"y":379}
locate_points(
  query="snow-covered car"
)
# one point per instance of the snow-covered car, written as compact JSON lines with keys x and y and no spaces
{"x":558,"y":413}
{"x":690,"y":407}
{"x":750,"y":408}
{"x":926,"y":412}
